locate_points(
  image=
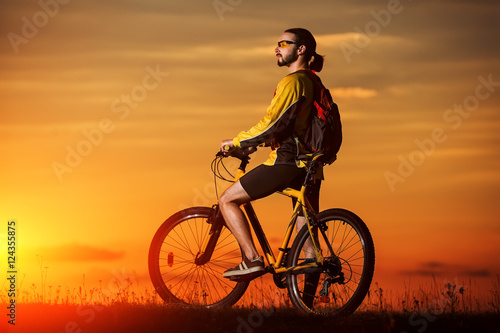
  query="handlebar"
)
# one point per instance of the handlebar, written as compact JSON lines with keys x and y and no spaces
{"x":239,"y":153}
{"x":312,"y":161}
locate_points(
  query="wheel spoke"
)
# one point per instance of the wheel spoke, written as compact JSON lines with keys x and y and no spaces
{"x":182,"y":278}
{"x":347,"y":242}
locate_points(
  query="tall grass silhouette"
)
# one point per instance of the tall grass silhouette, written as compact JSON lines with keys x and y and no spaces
{"x":437,"y":296}
{"x":127,"y":305}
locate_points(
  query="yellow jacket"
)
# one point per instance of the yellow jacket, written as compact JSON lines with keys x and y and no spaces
{"x":286,"y":119}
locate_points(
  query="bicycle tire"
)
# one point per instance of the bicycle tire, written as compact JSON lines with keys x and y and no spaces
{"x":354,"y":257}
{"x":172,"y":268}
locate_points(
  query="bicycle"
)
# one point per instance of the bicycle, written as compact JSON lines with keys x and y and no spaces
{"x":192,"y":248}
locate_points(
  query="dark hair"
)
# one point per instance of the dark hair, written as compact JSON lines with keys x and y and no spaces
{"x":304,"y":37}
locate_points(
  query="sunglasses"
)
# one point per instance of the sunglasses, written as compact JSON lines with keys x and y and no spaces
{"x":285,"y":43}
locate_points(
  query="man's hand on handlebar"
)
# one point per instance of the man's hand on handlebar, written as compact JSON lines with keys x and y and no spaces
{"x":227,"y":148}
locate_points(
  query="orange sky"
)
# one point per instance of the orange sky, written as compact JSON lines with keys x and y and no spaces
{"x":145,"y":91}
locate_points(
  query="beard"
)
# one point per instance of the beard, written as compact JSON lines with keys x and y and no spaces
{"x":288,"y":59}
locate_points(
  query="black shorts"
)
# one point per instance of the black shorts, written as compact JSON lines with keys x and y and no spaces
{"x":264,"y":180}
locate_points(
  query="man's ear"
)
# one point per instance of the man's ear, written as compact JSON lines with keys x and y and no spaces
{"x":302,"y":49}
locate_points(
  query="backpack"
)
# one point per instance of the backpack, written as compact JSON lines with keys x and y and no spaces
{"x":325,"y":129}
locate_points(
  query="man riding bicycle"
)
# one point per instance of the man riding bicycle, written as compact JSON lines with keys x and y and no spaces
{"x":286,"y":120}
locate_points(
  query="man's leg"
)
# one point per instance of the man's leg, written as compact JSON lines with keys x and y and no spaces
{"x":311,"y":280}
{"x":313,"y":196}
{"x":308,"y":247}
{"x":229,"y":204}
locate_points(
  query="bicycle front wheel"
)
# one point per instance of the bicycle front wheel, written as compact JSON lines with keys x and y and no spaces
{"x":342,"y":282}
{"x":177,"y":275}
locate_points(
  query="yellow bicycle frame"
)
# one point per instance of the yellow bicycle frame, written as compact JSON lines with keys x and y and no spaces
{"x":302,"y":204}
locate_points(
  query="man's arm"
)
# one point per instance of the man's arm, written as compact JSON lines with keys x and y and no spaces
{"x":280,"y":115}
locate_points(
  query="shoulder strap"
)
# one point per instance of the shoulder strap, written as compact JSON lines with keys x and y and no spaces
{"x":310,"y":74}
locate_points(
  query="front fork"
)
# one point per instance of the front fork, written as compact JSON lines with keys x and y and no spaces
{"x":217,"y":221}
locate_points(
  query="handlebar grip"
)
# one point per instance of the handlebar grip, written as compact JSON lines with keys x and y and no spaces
{"x":227,"y":150}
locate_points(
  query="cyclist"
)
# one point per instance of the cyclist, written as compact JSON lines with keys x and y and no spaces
{"x":281,"y":128}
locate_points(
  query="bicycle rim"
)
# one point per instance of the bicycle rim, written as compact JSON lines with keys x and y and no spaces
{"x":173,"y":271}
{"x":349,"y":269}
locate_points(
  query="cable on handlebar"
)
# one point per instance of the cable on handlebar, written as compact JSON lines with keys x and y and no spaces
{"x":216,"y":166}
{"x":220,"y":170}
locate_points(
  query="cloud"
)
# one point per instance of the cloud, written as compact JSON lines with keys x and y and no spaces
{"x":436,"y":268}
{"x":353,"y":92}
{"x":477,"y":273}
{"x":78,"y":253}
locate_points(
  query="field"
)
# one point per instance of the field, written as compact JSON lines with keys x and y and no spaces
{"x":153,"y":318}
{"x":442,"y":307}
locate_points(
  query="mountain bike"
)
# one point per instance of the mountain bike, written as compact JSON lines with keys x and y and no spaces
{"x":327,"y":269}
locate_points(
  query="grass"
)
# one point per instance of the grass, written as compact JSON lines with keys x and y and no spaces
{"x":124,"y":306}
{"x":128,"y":317}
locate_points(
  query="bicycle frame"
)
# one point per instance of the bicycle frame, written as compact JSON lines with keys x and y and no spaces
{"x":276,"y":264}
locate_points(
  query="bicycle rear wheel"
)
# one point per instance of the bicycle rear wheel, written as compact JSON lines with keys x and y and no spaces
{"x":342,"y":282}
{"x":174,"y":270}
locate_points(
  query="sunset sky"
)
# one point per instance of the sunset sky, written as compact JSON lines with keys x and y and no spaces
{"x":111,"y":112}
